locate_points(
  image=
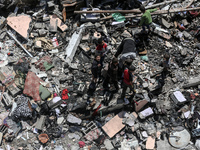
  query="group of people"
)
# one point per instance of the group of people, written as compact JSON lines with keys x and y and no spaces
{"x":120,"y":68}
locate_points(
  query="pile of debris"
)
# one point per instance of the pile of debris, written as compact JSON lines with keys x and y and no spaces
{"x":46,"y":53}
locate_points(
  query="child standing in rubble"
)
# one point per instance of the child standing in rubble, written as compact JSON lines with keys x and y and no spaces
{"x":101,"y":49}
{"x":128,"y":81}
{"x":96,"y":68}
{"x":146,"y":19}
{"x":112,"y":75}
{"x":166,"y":67}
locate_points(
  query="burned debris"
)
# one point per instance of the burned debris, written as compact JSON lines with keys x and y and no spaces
{"x":105,"y":74}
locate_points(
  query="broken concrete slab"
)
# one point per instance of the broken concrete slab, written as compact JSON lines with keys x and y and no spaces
{"x":2,"y":21}
{"x":165,"y":23}
{"x":73,"y":44}
{"x":20,"y":24}
{"x":192,"y":82}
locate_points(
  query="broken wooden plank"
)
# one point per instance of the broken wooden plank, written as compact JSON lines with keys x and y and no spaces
{"x":108,"y":11}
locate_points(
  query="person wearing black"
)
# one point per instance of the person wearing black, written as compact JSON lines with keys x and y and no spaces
{"x":112,"y":75}
{"x":96,"y":68}
{"x":127,"y":49}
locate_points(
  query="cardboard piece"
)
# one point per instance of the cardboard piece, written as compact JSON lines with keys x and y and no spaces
{"x":20,"y":24}
{"x":114,"y":125}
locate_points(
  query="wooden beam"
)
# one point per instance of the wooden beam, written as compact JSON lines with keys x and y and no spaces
{"x":159,"y":12}
{"x":108,"y":11}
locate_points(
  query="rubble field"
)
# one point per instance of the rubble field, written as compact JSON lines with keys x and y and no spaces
{"x":47,"y":48}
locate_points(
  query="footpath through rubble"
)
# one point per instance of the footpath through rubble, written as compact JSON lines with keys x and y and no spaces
{"x":46,"y":52}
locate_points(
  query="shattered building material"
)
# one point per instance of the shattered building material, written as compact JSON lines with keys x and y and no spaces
{"x":73,"y":44}
{"x":40,"y":122}
{"x":114,"y":125}
{"x":20,"y":24}
{"x":63,"y":108}
{"x":13,"y":37}
{"x":192,"y":82}
{"x":55,"y":21}
{"x":2,"y":22}
{"x":7,"y":100}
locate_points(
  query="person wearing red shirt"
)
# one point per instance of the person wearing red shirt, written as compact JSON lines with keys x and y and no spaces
{"x":128,"y":81}
{"x":101,"y":49}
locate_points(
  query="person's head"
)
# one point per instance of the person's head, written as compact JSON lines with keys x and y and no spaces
{"x":100,"y":41}
{"x":142,"y":9}
{"x":115,"y":61}
{"x":166,"y":56}
{"x":128,"y":61}
{"x":131,"y":68}
{"x":97,"y":57}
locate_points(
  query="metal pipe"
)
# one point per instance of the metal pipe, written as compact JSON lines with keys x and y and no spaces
{"x":14,"y":38}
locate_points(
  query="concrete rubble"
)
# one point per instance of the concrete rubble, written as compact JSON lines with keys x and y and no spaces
{"x":46,"y":55}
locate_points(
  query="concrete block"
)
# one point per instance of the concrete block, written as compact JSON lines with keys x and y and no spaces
{"x":165,"y":23}
{"x":1,"y":137}
{"x":39,"y":25}
{"x":2,"y":22}
{"x":73,"y":119}
{"x":90,"y":127}
{"x":192,"y":82}
{"x":7,"y":100}
{"x":108,"y":144}
{"x":86,"y":37}
{"x":60,"y":24}
{"x":40,"y":122}
{"x":73,"y":44}
{"x":13,"y":89}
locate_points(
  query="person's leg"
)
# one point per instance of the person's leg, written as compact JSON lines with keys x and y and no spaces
{"x":148,"y":27}
{"x":94,"y":77}
{"x":143,"y":27}
{"x":101,"y":60}
{"x":105,"y":83}
{"x":124,"y":90}
{"x":116,"y":85}
{"x":133,"y":92}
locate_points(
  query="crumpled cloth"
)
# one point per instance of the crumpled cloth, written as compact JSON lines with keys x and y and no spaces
{"x":31,"y":87}
{"x":65,"y":94}
{"x":81,"y":144}
{"x":22,"y":111}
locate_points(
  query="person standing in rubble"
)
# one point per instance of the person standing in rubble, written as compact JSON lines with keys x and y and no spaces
{"x":127,"y":49}
{"x":128,"y":81}
{"x":166,"y":67}
{"x":96,"y":68}
{"x":112,"y":75}
{"x":146,"y":19}
{"x":101,"y":49}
